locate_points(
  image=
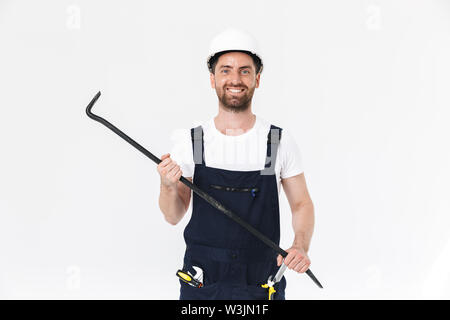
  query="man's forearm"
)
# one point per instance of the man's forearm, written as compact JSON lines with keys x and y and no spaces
{"x":171,"y":204}
{"x":303,"y":225}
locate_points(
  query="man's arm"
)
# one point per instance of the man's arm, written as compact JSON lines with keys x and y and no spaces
{"x":302,"y":222}
{"x":174,"y":202}
{"x":175,"y":196}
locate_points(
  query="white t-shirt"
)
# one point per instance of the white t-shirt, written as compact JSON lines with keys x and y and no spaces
{"x":244,"y":152}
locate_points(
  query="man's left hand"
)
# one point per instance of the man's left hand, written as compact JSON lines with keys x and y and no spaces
{"x":296,"y":260}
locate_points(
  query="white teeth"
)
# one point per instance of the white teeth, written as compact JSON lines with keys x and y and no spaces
{"x":236,"y":90}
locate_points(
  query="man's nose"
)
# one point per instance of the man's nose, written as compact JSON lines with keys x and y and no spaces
{"x":235,"y":76}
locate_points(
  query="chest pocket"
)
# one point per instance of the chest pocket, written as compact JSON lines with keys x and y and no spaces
{"x":252,"y":190}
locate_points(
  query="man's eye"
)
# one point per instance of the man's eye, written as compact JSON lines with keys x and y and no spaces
{"x":224,"y":71}
{"x":245,"y":71}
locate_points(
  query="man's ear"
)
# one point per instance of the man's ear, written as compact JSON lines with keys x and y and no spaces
{"x":257,"y":78}
{"x":212,"y":79}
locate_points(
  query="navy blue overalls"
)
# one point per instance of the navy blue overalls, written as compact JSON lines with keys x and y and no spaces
{"x":235,"y":263}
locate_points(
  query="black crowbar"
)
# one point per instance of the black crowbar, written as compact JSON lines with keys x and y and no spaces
{"x":194,"y":188}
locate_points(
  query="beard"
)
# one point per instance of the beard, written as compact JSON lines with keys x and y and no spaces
{"x":235,"y":103}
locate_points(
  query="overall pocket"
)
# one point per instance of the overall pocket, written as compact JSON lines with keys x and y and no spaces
{"x":251,"y":190}
{"x":207,"y":292}
{"x":258,"y":274}
{"x":212,"y":272}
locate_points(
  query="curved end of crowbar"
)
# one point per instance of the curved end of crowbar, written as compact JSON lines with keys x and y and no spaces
{"x":313,"y":278}
{"x":91,"y":104}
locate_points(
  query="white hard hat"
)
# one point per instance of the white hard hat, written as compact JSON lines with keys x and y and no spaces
{"x":233,"y":40}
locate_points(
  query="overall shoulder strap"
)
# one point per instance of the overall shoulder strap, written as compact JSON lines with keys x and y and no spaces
{"x":198,"y":145}
{"x":273,"y":140}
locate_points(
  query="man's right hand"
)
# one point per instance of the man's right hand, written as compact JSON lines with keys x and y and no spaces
{"x":169,"y":171}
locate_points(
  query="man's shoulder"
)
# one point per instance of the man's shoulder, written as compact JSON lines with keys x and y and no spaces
{"x":183,"y":135}
{"x":265,"y":126}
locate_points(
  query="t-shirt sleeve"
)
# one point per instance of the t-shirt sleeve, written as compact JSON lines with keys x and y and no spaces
{"x":181,"y":151}
{"x":290,"y":156}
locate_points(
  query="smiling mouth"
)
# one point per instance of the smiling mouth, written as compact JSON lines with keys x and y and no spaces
{"x":235,"y":90}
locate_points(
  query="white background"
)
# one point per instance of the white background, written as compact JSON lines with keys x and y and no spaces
{"x":363,"y":86}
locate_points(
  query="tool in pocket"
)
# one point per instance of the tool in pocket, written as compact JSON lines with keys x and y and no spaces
{"x":271,"y":283}
{"x":193,"y":280}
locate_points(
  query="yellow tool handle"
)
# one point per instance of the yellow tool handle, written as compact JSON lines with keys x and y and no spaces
{"x":188,"y":279}
{"x":271,"y":290}
{"x":184,"y":276}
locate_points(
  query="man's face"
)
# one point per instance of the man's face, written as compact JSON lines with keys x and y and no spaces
{"x":235,"y":80}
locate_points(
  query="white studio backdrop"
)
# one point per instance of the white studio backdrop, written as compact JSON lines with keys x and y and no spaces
{"x":361,"y":85}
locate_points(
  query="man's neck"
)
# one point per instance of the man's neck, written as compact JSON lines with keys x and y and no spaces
{"x":234,"y":124}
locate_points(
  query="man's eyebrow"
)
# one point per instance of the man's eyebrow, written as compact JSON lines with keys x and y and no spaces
{"x":227,"y":66}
